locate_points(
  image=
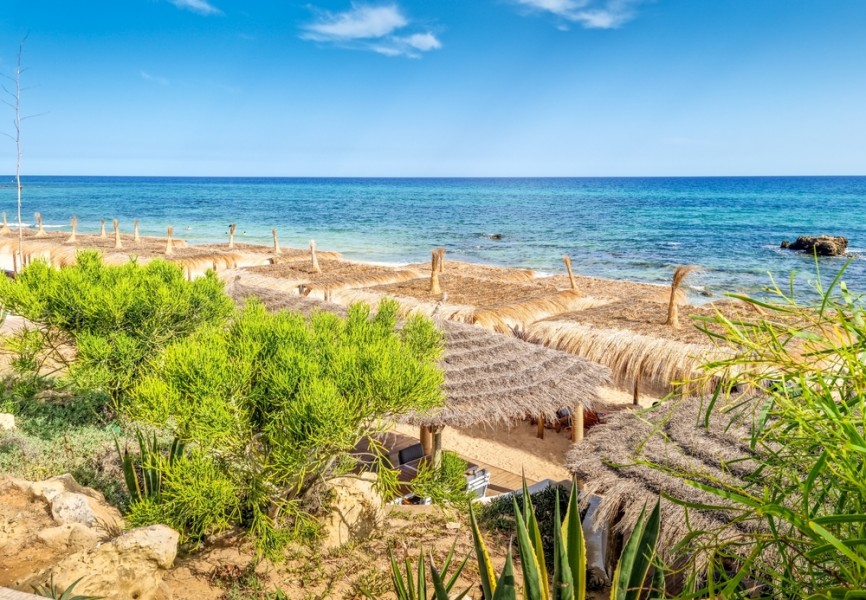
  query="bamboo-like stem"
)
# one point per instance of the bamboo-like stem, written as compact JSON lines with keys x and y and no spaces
{"x":314,"y":258}
{"x":4,"y":230}
{"x":117,"y":242}
{"x":437,"y":447}
{"x":135,"y":237}
{"x":40,"y":230}
{"x":426,"y":441}
{"x":276,"y":242}
{"x":232,"y":229}
{"x":73,"y":223}
{"x":539,"y":427}
{"x":577,"y":424}
{"x":635,"y":399}
{"x":441,"y":259}
{"x":567,"y":262}
{"x":169,"y":243}
{"x":102,"y":233}
{"x":434,"y":275}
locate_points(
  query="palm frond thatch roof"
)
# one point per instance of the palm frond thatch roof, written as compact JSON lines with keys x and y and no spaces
{"x":612,"y":462}
{"x":490,"y":378}
{"x":335,"y":274}
{"x":478,"y":271}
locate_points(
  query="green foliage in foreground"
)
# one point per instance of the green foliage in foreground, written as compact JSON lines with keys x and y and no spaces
{"x":49,"y":590}
{"x":115,"y":317}
{"x":445,"y":485}
{"x":798,"y":525}
{"x":568,"y":581}
{"x":272,"y":405}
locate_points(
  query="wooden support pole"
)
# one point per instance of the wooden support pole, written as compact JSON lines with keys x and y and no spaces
{"x":135,"y":237}
{"x":232,"y":229}
{"x":636,"y":392}
{"x":40,"y":230}
{"x":117,"y":243}
{"x":437,"y":447}
{"x":567,"y":262}
{"x":577,"y":424}
{"x":441,"y":259}
{"x":539,"y":427}
{"x":102,"y":233}
{"x":314,"y":258}
{"x":434,"y":275}
{"x":276,"y":242}
{"x":4,"y":230}
{"x":73,"y":223}
{"x":169,"y":243}
{"x":426,"y":441}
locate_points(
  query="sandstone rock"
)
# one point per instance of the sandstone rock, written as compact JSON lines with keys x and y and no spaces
{"x":822,"y":245}
{"x":7,"y":422}
{"x":72,"y":503}
{"x":130,"y":567}
{"x":73,"y":537}
{"x":356,"y":510}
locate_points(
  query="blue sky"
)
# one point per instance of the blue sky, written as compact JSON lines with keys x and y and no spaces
{"x":442,"y":88}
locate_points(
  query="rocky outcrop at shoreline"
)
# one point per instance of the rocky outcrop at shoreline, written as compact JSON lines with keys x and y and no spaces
{"x":822,"y":245}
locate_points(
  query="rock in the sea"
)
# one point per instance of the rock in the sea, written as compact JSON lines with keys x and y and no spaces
{"x":822,"y":245}
{"x":7,"y":422}
{"x":356,"y":510}
{"x":129,"y":567}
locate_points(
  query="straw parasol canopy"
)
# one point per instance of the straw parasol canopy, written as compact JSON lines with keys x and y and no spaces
{"x":490,"y":379}
{"x":612,"y":462}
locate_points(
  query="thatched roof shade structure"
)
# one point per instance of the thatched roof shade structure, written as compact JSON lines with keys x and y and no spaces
{"x":478,"y":271}
{"x":611,"y":463}
{"x":490,"y":379}
{"x":335,"y":274}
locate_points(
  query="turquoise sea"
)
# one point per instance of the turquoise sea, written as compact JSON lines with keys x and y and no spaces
{"x":628,"y":228}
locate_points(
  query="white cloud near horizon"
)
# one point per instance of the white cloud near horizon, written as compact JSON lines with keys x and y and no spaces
{"x":373,"y":28}
{"x":202,"y":7}
{"x":589,"y":14}
{"x":148,"y":77}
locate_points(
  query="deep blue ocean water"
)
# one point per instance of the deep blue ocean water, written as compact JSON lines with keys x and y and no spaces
{"x":628,"y":228}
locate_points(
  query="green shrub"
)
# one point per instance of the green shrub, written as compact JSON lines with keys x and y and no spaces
{"x":275,"y":403}
{"x":116,"y":317}
{"x":444,"y":485}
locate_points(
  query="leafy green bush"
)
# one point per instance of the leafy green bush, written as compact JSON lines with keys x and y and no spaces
{"x":116,"y":317}
{"x":275,"y":403}
{"x":797,"y":526}
{"x":444,"y":485}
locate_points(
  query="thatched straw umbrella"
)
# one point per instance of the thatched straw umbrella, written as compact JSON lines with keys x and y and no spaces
{"x":441,"y":259}
{"x":490,"y":379}
{"x":680,"y":274}
{"x":169,"y":242}
{"x":4,"y":230}
{"x":435,"y":289}
{"x":478,"y":271}
{"x":135,"y":236}
{"x":613,"y":464}
{"x":117,"y":243}
{"x":73,"y":224}
{"x":102,"y":233}
{"x":232,"y":229}
{"x":571,"y":281}
{"x":40,"y":229}
{"x":276,"y":241}
{"x":313,"y":258}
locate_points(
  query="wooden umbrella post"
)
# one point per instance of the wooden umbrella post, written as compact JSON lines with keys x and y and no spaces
{"x":169,"y":243}
{"x":135,"y":237}
{"x":539,"y":427}
{"x":441,"y":259}
{"x":567,"y":262}
{"x":426,"y":441}
{"x":117,"y":243}
{"x":40,"y":230}
{"x":73,"y":223}
{"x":577,"y":424}
{"x":4,"y":230}
{"x":636,"y":392}
{"x":437,"y":446}
{"x":232,"y":229}
{"x":434,"y":275}
{"x":314,"y":258}
{"x":102,"y":233}
{"x":276,"y":242}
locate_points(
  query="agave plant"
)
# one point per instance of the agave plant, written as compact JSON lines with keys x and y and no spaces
{"x":569,"y":567}
{"x":49,"y":590}
{"x":149,"y":485}
{"x":416,"y":589}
